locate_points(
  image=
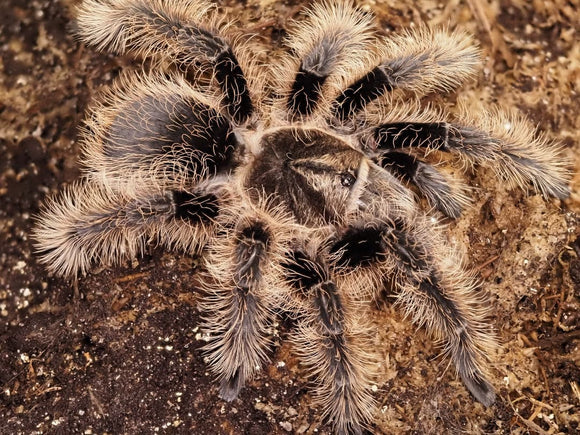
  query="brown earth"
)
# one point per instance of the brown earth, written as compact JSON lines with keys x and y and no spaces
{"x":119,"y":350}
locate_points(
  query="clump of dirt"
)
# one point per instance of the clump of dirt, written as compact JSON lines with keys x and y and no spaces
{"x":119,"y":350}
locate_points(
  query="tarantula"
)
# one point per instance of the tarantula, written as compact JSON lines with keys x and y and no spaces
{"x":301,"y":182}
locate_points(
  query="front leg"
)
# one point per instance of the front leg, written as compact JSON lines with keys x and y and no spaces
{"x":503,"y":141}
{"x":420,"y":61}
{"x":329,"y":46}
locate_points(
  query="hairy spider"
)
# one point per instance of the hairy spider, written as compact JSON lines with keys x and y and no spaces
{"x":300,"y":181}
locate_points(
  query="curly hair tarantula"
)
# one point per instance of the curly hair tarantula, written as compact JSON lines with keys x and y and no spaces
{"x":301,"y":181}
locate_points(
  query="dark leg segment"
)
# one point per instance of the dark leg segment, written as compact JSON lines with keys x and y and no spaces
{"x":359,"y":246}
{"x":412,"y":134}
{"x":443,"y":136}
{"x":450,"y":314}
{"x":315,"y":67}
{"x":326,"y":48}
{"x":373,"y":85}
{"x":430,"y":182}
{"x":239,"y":316}
{"x":305,"y":91}
{"x":195,"y":208}
{"x":230,"y":77}
{"x":469,"y":142}
{"x":366,"y":245}
{"x":329,"y":343}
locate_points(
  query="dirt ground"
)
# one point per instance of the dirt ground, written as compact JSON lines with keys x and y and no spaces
{"x":119,"y":350}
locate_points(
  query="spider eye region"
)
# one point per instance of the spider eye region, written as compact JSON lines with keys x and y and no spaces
{"x":347,"y":179}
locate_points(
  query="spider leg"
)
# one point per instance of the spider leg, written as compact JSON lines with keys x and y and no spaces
{"x":239,"y":302}
{"x":430,"y":285}
{"x":331,"y":338}
{"x":438,"y":189}
{"x":503,"y":141}
{"x":330,"y":44}
{"x":189,"y":33}
{"x":153,"y":152}
{"x":420,"y":60}
{"x":90,"y":223}
{"x":157,"y":130}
